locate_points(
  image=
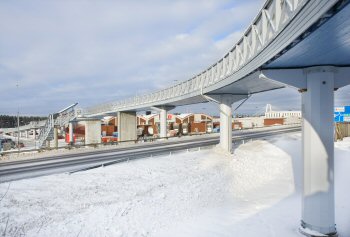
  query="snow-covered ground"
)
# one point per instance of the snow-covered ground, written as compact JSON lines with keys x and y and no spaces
{"x":254,"y":192}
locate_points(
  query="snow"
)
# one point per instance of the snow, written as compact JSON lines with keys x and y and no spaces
{"x":254,"y":192}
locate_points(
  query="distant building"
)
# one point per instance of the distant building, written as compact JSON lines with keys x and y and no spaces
{"x":281,"y":117}
{"x":280,"y":114}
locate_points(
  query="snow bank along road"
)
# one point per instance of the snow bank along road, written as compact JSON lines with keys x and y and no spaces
{"x":255,"y":192}
{"x":79,"y":161}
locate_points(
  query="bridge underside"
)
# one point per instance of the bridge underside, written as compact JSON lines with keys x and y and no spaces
{"x":327,"y":45}
{"x":249,"y":85}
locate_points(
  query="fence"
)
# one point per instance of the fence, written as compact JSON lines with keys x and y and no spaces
{"x":342,"y":130}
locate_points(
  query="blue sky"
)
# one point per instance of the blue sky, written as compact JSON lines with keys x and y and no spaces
{"x":90,"y":52}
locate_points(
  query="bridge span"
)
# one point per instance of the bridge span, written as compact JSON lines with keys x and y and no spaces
{"x":304,"y":44}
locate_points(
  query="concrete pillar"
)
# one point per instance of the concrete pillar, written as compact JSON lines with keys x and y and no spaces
{"x":127,"y":126}
{"x":163,"y":123}
{"x":226,"y":123}
{"x":317,"y":86}
{"x":71,"y":133}
{"x":318,"y":153}
{"x":163,"y":118}
{"x":225,"y":102}
{"x":26,"y":133}
{"x":93,"y":131}
{"x":55,"y":137}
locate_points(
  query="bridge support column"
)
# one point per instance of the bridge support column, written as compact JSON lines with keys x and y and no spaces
{"x":71,"y":133}
{"x":163,"y":111}
{"x":55,"y":137}
{"x":92,"y":131}
{"x":163,"y":123}
{"x":226,"y":123}
{"x":318,"y":152}
{"x":225,"y":102}
{"x":317,"y":85}
{"x":127,"y":126}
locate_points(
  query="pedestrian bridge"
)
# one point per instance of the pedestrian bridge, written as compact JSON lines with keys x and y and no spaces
{"x":304,"y":44}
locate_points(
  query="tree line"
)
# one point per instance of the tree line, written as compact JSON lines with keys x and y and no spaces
{"x":8,"y":121}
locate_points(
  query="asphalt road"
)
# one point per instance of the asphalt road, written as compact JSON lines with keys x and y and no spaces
{"x":75,"y":162}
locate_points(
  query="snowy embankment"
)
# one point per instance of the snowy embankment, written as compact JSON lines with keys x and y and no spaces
{"x":255,"y":192}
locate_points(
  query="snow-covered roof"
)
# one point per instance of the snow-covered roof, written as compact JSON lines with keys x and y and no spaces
{"x":183,"y":116}
{"x":108,"y":118}
{"x":149,"y":116}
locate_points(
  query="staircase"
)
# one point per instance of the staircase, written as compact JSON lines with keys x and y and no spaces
{"x":46,"y":133}
{"x":60,"y":119}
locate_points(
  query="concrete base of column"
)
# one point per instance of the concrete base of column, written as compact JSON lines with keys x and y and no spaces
{"x":55,"y":137}
{"x":127,"y":126}
{"x":311,"y":233}
{"x":93,"y":131}
{"x":163,"y":123}
{"x":71,"y":133}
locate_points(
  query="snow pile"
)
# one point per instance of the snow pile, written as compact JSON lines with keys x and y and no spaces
{"x":256,"y":166}
{"x":254,"y":192}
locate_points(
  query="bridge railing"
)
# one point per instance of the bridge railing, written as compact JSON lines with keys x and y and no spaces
{"x":270,"y":21}
{"x":46,"y":130}
{"x":62,"y":119}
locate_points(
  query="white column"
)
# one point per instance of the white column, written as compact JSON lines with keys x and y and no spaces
{"x":55,"y":137}
{"x":26,"y":133}
{"x":318,"y":153}
{"x":163,"y":123}
{"x":71,"y":140}
{"x":317,"y":85}
{"x":226,"y":123}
